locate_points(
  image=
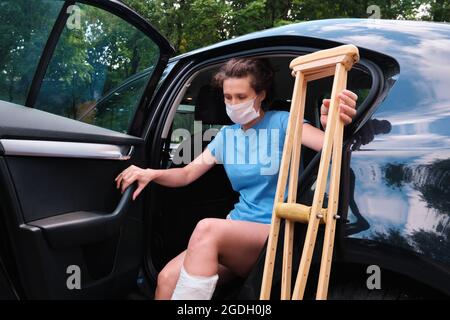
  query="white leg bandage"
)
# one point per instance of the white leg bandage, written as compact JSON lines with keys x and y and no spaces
{"x":191,"y":287}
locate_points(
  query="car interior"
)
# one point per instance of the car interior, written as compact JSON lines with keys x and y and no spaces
{"x":200,"y":106}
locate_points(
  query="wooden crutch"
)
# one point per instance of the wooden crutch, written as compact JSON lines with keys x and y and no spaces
{"x":314,"y":66}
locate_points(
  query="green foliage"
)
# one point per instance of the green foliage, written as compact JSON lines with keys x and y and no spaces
{"x":191,"y":24}
{"x":439,"y":10}
{"x":92,"y":60}
{"x":24,"y":29}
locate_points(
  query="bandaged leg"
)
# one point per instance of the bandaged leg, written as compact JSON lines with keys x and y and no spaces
{"x":191,"y":287}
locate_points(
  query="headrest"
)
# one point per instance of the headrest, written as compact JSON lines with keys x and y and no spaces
{"x":210,"y":107}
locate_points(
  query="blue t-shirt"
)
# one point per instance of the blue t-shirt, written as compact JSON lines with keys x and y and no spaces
{"x":252,"y":161}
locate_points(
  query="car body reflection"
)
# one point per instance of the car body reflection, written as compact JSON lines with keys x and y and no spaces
{"x":401,"y":191}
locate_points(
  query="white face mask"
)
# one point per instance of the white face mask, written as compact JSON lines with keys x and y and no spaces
{"x":242,"y":113}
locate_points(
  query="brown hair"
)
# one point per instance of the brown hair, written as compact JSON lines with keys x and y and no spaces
{"x":259,"y":70}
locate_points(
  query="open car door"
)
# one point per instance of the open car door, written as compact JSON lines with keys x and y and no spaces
{"x":67,"y":232}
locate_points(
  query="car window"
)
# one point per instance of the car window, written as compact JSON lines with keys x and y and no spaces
{"x":199,"y":116}
{"x":184,"y":119}
{"x":186,"y":127}
{"x":24,"y":30}
{"x":96,"y":56}
{"x":116,"y":109}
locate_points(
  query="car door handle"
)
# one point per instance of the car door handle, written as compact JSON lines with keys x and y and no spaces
{"x":82,"y":227}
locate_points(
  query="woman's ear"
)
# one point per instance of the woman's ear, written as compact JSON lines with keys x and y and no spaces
{"x":261,"y":98}
{"x":263,"y":95}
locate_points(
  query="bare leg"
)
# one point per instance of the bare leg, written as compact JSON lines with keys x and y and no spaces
{"x":168,"y":277}
{"x":234,"y":244}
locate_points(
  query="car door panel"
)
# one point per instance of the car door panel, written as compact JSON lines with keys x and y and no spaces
{"x":70,"y":233}
{"x":62,"y":217}
{"x":62,"y":185}
{"x":61,"y":205}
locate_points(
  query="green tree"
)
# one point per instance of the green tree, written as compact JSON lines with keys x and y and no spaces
{"x":439,"y":10}
{"x":191,"y":24}
{"x":24,"y":29}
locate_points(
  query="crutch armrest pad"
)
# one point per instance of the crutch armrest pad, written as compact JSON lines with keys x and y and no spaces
{"x":347,"y":50}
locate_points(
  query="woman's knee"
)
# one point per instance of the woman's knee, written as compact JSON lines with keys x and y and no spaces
{"x":168,"y":276}
{"x":205,"y":233}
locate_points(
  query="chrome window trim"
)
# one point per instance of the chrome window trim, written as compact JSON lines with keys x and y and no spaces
{"x":63,"y":149}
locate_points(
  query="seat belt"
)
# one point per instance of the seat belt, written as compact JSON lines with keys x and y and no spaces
{"x":336,"y":61}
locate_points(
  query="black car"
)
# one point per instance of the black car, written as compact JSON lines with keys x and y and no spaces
{"x":87,"y":88}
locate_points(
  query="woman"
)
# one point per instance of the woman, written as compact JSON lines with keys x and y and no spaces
{"x":219,"y":248}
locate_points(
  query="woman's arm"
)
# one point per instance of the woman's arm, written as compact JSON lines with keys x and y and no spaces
{"x":176,"y":177}
{"x":313,"y":137}
{"x":179,"y":177}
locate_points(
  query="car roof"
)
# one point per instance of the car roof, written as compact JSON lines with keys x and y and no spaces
{"x":384,"y":36}
{"x":417,"y":51}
